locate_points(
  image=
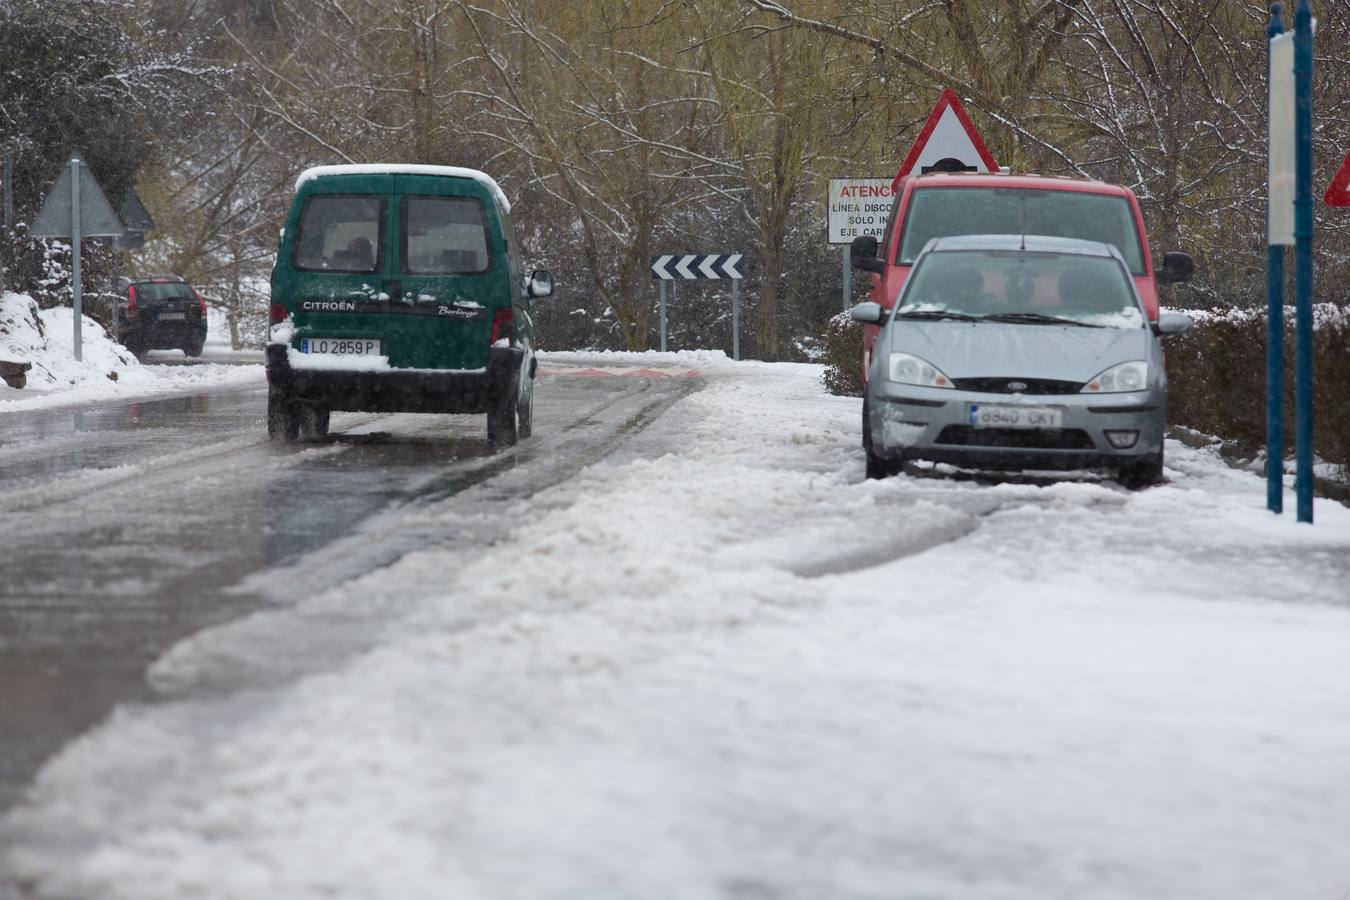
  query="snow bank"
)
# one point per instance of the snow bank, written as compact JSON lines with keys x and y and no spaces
{"x":1325,"y":315}
{"x":722,"y":664}
{"x":45,"y":338}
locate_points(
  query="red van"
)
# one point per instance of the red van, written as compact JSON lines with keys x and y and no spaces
{"x":946,"y":204}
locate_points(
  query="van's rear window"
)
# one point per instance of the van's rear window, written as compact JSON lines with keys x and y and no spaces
{"x":943,"y":212}
{"x":340,"y":233}
{"x":444,"y":236}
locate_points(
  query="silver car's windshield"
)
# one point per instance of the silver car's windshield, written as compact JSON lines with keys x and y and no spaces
{"x":1022,"y":287}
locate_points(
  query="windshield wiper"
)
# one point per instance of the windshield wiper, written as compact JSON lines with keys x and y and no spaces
{"x":1027,"y":318}
{"x":937,"y":314}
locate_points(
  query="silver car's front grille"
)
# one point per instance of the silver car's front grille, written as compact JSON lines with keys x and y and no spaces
{"x":1016,"y":438}
{"x":1017,"y":385}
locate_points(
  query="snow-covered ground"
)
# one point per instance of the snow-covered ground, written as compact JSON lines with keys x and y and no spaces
{"x":721,"y":664}
{"x":107,"y":370}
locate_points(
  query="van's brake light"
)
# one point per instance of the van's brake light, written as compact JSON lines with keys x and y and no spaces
{"x":503,"y":325}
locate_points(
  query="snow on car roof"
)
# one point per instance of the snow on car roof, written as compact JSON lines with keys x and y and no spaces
{"x":402,"y":169}
{"x":1037,"y":243}
{"x":931,"y":180}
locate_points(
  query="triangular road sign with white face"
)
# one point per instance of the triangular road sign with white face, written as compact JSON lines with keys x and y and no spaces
{"x":1338,"y":194}
{"x":948,"y":142}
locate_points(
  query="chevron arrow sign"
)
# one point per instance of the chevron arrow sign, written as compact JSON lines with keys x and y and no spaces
{"x":696,"y":267}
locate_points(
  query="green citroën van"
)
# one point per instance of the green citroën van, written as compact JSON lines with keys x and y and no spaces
{"x":399,"y":289}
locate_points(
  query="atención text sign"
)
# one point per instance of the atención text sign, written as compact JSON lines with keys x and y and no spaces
{"x":858,"y":207}
{"x":696,"y":266}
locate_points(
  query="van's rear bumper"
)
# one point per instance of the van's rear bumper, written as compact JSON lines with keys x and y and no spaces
{"x":395,"y":390}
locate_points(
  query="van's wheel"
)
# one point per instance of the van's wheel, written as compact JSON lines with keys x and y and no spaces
{"x":502,"y":417}
{"x":194,"y":348}
{"x":1143,"y":473}
{"x":525,"y":407}
{"x":312,"y":422}
{"x":283,"y":422}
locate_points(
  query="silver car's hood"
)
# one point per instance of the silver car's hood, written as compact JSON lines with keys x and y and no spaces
{"x":994,"y":349}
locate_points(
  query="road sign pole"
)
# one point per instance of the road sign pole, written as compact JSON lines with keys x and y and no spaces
{"x":735,"y":318}
{"x":9,"y":187}
{"x":75,"y":275}
{"x":848,"y":278}
{"x":663,"y":315}
{"x":1274,"y":335}
{"x":1303,"y":265}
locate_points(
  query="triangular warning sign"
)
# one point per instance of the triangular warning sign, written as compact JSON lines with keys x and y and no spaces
{"x":1338,"y":194}
{"x":97,"y":218}
{"x":948,"y":142}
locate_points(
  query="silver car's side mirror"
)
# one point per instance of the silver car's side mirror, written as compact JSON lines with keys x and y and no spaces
{"x":540,"y":284}
{"x":868,"y":313}
{"x":1172,"y":323}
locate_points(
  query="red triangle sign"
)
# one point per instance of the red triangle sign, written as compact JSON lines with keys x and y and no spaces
{"x":948,"y":138}
{"x":1338,"y":194}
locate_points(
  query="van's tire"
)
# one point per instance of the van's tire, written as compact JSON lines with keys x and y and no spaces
{"x":502,"y":418}
{"x":283,"y":422}
{"x":1142,"y":473}
{"x":525,"y":409}
{"x":312,"y":422}
{"x":194,"y":348}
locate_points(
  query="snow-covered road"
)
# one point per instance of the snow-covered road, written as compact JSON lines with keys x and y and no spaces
{"x":720,"y":664}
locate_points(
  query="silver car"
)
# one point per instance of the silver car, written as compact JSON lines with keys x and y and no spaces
{"x":1013,"y":352}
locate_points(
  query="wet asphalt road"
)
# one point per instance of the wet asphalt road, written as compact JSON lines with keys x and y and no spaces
{"x":129,"y":526}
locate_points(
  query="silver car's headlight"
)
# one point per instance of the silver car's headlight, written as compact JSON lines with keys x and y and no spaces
{"x":904,"y":368}
{"x":1129,"y":376}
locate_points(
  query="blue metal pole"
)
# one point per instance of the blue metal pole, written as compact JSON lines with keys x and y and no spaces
{"x":1274,"y":336}
{"x":1303,"y":264}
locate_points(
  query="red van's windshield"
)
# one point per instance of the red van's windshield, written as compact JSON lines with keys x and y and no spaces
{"x":945,"y":211}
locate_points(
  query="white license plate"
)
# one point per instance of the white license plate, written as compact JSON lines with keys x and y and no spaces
{"x":991,"y":415}
{"x":341,"y":346}
{"x":172,"y":317}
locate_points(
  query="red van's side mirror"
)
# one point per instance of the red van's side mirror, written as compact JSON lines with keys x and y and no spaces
{"x":862,"y":254}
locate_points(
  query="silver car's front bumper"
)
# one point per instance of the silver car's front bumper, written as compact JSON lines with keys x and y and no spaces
{"x":909,"y":422}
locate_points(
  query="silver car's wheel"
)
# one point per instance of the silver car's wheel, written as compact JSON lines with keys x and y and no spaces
{"x":1143,"y":473}
{"x":877,"y":466}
